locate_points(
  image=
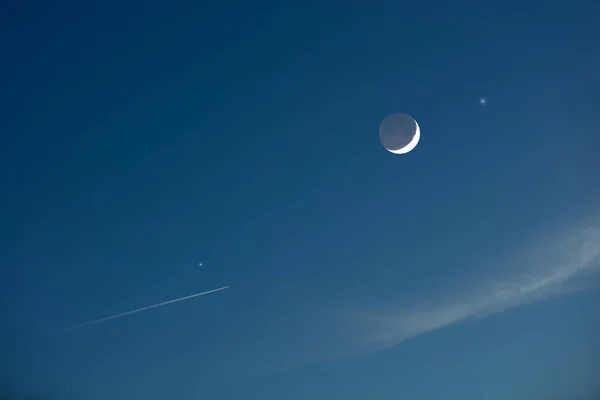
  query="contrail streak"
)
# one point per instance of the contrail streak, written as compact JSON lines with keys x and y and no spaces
{"x":97,"y":321}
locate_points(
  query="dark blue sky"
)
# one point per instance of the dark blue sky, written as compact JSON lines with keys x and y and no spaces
{"x":139,"y":138}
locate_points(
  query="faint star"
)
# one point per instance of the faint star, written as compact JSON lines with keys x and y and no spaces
{"x":483,"y":101}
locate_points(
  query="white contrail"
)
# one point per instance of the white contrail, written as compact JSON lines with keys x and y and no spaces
{"x":97,"y":321}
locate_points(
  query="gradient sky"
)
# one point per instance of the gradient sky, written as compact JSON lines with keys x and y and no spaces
{"x":140,"y":138}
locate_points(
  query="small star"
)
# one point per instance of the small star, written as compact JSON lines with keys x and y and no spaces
{"x":483,"y":101}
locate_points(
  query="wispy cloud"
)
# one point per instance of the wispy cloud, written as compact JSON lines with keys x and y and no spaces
{"x":539,"y":273}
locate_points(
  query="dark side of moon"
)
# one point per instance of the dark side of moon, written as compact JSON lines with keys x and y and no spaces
{"x":397,"y":131}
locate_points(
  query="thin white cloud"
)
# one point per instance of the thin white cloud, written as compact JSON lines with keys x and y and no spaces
{"x":540,"y":273}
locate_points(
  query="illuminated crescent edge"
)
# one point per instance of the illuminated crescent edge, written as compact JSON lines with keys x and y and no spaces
{"x":413,"y":143}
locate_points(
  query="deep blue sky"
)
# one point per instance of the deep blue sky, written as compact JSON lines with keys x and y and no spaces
{"x":139,"y":138}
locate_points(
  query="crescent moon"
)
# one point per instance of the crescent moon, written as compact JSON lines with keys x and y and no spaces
{"x":413,"y":143}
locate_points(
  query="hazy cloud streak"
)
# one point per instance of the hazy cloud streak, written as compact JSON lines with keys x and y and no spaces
{"x":543,"y":272}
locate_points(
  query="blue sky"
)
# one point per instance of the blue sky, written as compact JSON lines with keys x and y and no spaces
{"x":139,"y":139}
